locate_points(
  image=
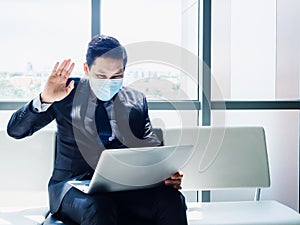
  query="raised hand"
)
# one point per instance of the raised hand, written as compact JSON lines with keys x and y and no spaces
{"x":55,"y":88}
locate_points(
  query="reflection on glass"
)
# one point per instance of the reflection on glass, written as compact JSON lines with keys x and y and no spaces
{"x":161,"y":82}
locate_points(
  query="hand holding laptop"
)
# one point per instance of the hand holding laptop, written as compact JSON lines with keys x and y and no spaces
{"x":175,"y":180}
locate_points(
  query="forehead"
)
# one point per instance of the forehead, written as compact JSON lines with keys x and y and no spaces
{"x":107,"y":64}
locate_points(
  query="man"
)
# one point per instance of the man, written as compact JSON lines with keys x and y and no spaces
{"x":92,"y":115}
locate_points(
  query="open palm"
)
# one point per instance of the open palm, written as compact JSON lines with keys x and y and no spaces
{"x":55,"y":88}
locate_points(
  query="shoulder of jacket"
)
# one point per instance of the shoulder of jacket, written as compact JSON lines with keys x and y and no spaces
{"x":132,"y":92}
{"x":130,"y":95}
{"x":76,"y":80}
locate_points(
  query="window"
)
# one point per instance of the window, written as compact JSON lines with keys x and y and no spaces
{"x":168,"y":30}
{"x":251,"y":57}
{"x":37,"y":35}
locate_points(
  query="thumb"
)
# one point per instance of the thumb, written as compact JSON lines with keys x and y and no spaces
{"x":70,"y":86}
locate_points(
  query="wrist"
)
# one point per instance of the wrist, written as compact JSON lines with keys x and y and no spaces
{"x":45,"y":100}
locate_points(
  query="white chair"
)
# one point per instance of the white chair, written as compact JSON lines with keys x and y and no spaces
{"x":25,"y":168}
{"x":228,"y":158}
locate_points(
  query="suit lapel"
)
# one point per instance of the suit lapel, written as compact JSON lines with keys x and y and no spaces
{"x":83,"y":120}
{"x":83,"y":110}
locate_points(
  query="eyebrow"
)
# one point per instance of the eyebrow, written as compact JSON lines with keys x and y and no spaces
{"x":118,"y":72}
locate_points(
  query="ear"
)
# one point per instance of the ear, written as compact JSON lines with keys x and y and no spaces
{"x":86,"y":69}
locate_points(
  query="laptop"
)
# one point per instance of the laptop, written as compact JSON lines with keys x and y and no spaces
{"x":135,"y":168}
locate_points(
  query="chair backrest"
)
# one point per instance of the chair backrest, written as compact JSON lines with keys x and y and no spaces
{"x":223,"y":157}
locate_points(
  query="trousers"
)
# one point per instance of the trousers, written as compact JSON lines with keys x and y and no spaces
{"x":153,"y":206}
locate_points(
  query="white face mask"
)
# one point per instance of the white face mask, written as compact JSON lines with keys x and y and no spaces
{"x":105,"y":89}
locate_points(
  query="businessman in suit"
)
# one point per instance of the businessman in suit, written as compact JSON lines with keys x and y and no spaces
{"x":92,"y":114}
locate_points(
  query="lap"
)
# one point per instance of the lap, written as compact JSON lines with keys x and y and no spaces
{"x":139,"y":205}
{"x":163,"y":205}
{"x":80,"y":207}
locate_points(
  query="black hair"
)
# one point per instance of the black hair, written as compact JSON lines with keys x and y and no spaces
{"x":105,"y":46}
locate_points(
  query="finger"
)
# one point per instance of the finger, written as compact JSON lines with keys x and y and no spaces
{"x":65,"y":68}
{"x":180,"y":173}
{"x":60,"y":68}
{"x":66,"y":74}
{"x":55,"y":68}
{"x":167,"y":183}
{"x":178,"y":187}
{"x":67,"y":64}
{"x":70,"y":86}
{"x":69,"y":71}
{"x":172,"y":182}
{"x":176,"y":176}
{"x":175,"y":180}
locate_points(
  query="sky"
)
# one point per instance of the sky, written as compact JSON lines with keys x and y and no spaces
{"x":43,"y":32}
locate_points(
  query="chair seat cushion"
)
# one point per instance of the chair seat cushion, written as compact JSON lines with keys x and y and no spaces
{"x":23,"y":216}
{"x":23,"y":207}
{"x":241,"y":213}
{"x":52,"y":220}
{"x":216,"y":213}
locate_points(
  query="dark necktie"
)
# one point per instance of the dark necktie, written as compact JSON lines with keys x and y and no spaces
{"x":102,"y":123}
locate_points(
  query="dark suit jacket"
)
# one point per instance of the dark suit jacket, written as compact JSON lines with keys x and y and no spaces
{"x":78,"y":144}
